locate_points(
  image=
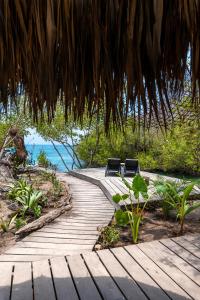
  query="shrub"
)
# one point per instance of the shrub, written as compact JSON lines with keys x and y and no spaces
{"x":19,"y":222}
{"x":28,"y":198}
{"x":109,"y":236}
{"x":5,"y":224}
{"x":57,"y":186}
{"x":43,"y":160}
{"x":132,"y":216}
{"x":177,"y":196}
{"x":19,"y":188}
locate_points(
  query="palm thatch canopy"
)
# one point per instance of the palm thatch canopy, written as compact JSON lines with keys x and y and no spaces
{"x":121,"y":56}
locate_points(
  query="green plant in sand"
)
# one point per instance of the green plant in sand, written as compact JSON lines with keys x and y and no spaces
{"x":5,"y":224}
{"x":177,"y":197}
{"x":133,"y":213}
{"x":109,"y":236}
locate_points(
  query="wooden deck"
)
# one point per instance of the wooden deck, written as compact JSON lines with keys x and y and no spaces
{"x":113,"y":185}
{"x":73,"y":233}
{"x":166,"y":269}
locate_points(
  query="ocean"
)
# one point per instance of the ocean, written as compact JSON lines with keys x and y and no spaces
{"x":52,"y":155}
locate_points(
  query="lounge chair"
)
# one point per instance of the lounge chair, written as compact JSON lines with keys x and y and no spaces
{"x":113,"y":166}
{"x":131,"y":167}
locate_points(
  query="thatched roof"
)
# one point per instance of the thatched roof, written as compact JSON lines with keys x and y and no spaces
{"x":116,"y":54}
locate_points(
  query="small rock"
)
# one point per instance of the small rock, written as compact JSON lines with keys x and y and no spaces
{"x":97,"y":247}
{"x":13,"y":206}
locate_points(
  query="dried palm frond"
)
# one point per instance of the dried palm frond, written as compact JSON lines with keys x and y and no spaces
{"x":123,"y":56}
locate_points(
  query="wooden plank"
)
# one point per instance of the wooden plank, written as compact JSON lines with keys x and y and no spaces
{"x":64,"y":286}
{"x":40,"y":251}
{"x":105,"y":283}
{"x":92,"y":202}
{"x":22,"y":282}
{"x":120,"y":185}
{"x":179,"y":262}
{"x":94,"y":206}
{"x":113,"y":186}
{"x":78,"y":222}
{"x":160,"y":277}
{"x":64,"y":235}
{"x":73,"y":226}
{"x":83,"y":281}
{"x":58,"y":240}
{"x":22,"y":258}
{"x":83,"y":218}
{"x":68,"y":231}
{"x":193,"y":239}
{"x":162,"y":260}
{"x":99,"y":211}
{"x":110,"y":190}
{"x":146,"y":283}
{"x":126,"y":284}
{"x":53,"y":246}
{"x":42,"y":281}
{"x":5,"y":280}
{"x":181,"y":251}
{"x":75,"y":223}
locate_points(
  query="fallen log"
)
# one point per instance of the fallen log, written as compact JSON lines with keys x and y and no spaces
{"x":47,"y":218}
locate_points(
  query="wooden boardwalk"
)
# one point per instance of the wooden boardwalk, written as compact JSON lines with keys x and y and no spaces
{"x":112,"y":185}
{"x":159,"y":270}
{"x":69,"y":234}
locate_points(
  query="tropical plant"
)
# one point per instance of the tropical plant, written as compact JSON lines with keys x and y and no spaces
{"x":5,"y":224}
{"x":19,"y":222}
{"x":30,"y":202}
{"x":164,"y":189}
{"x":57,"y":186}
{"x":109,"y":236}
{"x":133,"y":213}
{"x":43,"y":160}
{"x":29,"y":199}
{"x":19,"y":188}
{"x":177,"y":196}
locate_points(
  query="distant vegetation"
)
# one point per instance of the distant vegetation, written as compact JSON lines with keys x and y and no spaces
{"x":176,"y":150}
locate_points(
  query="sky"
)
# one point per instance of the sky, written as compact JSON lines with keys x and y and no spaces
{"x":34,"y":138}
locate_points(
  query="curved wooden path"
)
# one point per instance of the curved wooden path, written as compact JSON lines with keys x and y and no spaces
{"x":42,"y":266}
{"x":112,"y":185}
{"x":159,"y":270}
{"x":73,"y":233}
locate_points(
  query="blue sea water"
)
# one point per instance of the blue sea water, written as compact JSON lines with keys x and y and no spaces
{"x":52,"y":155}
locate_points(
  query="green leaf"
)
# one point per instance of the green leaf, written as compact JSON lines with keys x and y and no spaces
{"x":191,"y":208}
{"x":145,"y":195}
{"x":187,"y":191}
{"x":125,"y":196}
{"x":127,"y":184}
{"x":117,"y":198}
{"x":121,"y":217}
{"x":139,"y":186}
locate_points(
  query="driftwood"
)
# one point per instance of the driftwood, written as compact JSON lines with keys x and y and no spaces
{"x":47,"y":218}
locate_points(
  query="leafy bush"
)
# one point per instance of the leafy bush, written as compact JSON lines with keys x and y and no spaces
{"x":57,"y":186}
{"x":28,"y":198}
{"x":109,"y":236}
{"x":175,"y":151}
{"x":164,"y":190}
{"x":19,"y":222}
{"x":5,"y":224}
{"x":147,"y":161}
{"x":177,"y":197}
{"x":30,"y":202}
{"x":19,"y":188}
{"x":43,"y":160}
{"x":134,"y":215}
